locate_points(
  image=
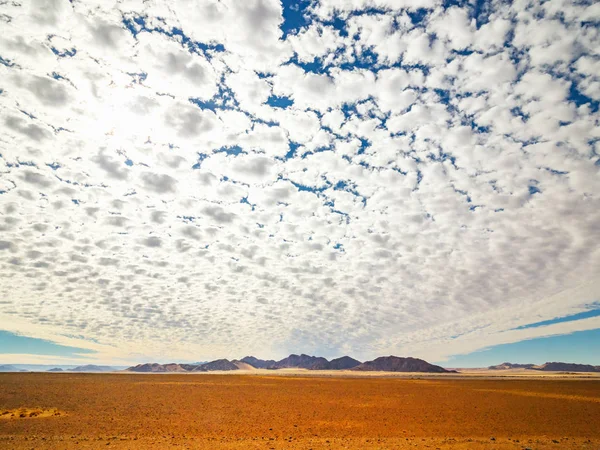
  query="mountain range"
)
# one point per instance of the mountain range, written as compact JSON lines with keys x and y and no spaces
{"x":303,"y":361}
{"x":384,"y":364}
{"x":258,"y":363}
{"x":395,"y":364}
{"x":549,"y":367}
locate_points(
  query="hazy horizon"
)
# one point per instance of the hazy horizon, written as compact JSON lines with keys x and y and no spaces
{"x":567,"y":349}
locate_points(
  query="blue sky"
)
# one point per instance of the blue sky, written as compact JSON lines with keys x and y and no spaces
{"x":580,"y":347}
{"x":327,"y":177}
{"x":11,"y":343}
{"x":594,"y":312}
{"x":577,"y":347}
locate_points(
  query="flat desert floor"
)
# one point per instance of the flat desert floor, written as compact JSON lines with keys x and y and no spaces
{"x":130,"y":411}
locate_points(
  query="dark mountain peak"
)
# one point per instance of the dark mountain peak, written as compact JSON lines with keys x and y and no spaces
{"x":258,"y":363}
{"x":218,"y":364}
{"x":321,"y":365}
{"x":343,"y":363}
{"x":567,"y":367}
{"x":302,"y":361}
{"x":398,"y":364}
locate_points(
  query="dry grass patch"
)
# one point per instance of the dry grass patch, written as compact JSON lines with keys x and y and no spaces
{"x":29,"y":413}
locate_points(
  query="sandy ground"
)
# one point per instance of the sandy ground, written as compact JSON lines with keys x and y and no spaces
{"x":462,"y":373}
{"x":523,"y":374}
{"x":271,"y":412}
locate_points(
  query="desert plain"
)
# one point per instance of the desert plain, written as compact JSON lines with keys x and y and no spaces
{"x":262,"y":411}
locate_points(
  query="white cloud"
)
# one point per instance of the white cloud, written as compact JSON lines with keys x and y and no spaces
{"x":172,"y":69}
{"x":315,"y":41}
{"x":435,"y":175}
{"x":326,"y":8}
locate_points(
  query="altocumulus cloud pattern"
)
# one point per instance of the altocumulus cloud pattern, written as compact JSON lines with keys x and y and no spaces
{"x":191,"y":179}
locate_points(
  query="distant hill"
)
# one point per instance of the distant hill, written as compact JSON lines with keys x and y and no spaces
{"x":219,"y":364}
{"x":507,"y":366}
{"x":47,"y":367}
{"x":157,"y":368}
{"x":258,"y":363}
{"x":397,"y":364}
{"x":298,"y":361}
{"x":8,"y":368}
{"x":549,"y":367}
{"x":190,"y":367}
{"x":343,"y":363}
{"x":567,"y":367}
{"x":92,"y":368}
{"x":173,"y":367}
{"x":243,"y":365}
{"x":56,"y":369}
{"x":320,"y":365}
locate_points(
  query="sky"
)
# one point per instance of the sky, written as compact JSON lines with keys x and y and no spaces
{"x":188,"y":180}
